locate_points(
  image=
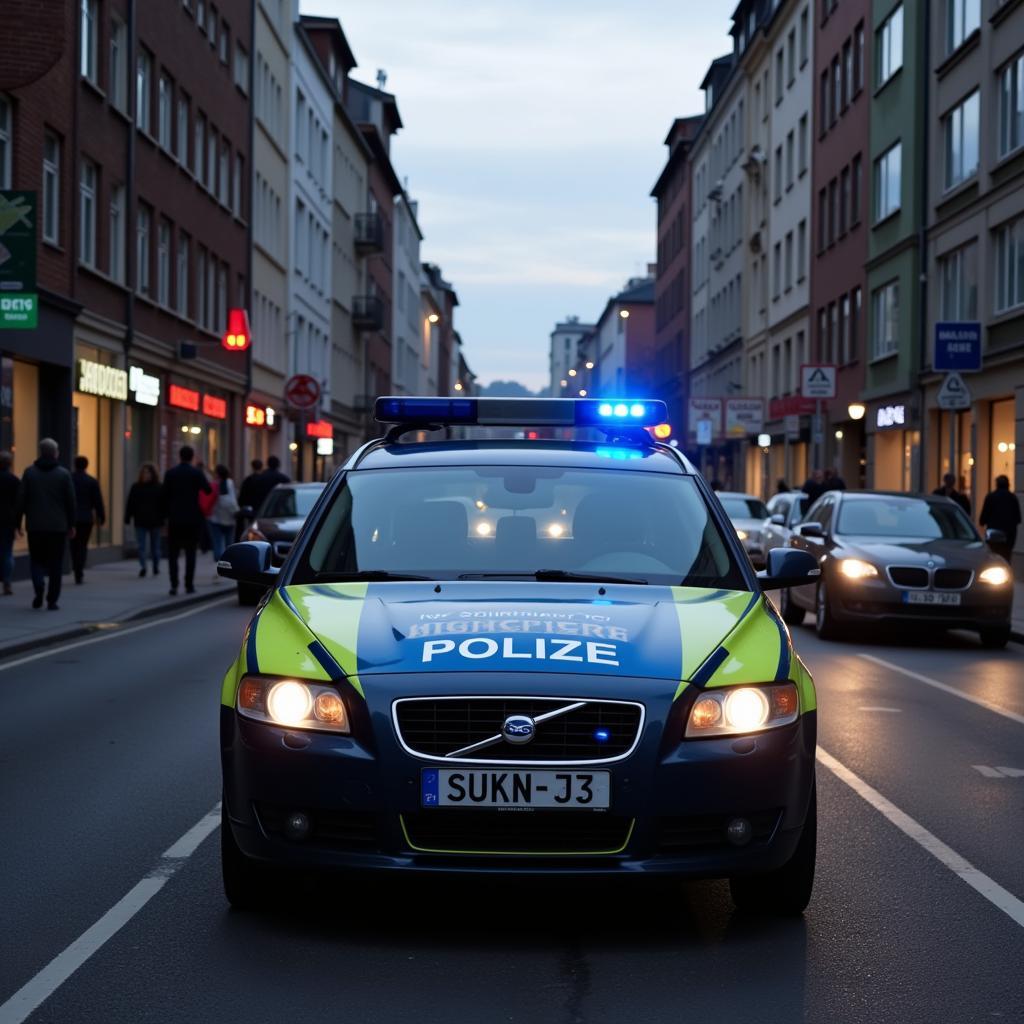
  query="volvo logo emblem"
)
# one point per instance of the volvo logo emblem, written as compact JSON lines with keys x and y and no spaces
{"x":518,"y":729}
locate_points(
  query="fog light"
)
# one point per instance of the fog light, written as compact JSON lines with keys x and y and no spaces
{"x":739,"y":832}
{"x":296,"y":825}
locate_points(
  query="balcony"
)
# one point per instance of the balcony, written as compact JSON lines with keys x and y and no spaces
{"x":369,"y":233}
{"x":367,"y":313}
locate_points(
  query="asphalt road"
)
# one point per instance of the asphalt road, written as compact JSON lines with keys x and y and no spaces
{"x":108,"y":756}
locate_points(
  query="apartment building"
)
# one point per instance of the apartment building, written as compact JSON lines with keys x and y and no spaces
{"x":408,"y":370}
{"x":563,"y":354}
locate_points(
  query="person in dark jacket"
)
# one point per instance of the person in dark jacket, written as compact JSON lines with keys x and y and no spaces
{"x":948,"y":490}
{"x":247,"y":496}
{"x":143,"y":508}
{"x":267,"y":481}
{"x":90,"y":510}
{"x":1001,"y":511}
{"x":813,"y":487}
{"x":179,"y":504}
{"x":8,"y":504}
{"x":832,"y":481}
{"x":46,"y":501}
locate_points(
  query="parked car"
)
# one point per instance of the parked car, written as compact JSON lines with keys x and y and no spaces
{"x":278,"y":521}
{"x":905,"y":558}
{"x":749,"y":515}
{"x":785,"y":510}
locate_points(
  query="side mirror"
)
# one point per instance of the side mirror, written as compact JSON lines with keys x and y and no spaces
{"x":248,"y":562}
{"x":778,"y":519}
{"x":995,"y":537}
{"x":788,"y":567}
{"x":810,"y":530}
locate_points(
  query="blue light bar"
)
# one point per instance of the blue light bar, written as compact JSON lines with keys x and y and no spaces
{"x":522,"y":412}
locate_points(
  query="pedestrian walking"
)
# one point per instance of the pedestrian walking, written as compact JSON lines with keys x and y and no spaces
{"x":143,"y":509}
{"x":46,"y":502}
{"x":222,"y":517}
{"x":1001,"y":511}
{"x":89,"y":511}
{"x":8,"y":504}
{"x":813,"y":487}
{"x":248,"y":496}
{"x":832,"y":481}
{"x":179,"y":504}
{"x":781,"y":487}
{"x":949,"y":490}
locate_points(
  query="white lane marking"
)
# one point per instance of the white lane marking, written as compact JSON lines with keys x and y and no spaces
{"x":945,"y":855}
{"x":895,"y":711}
{"x":111,"y":634}
{"x":1012,"y":773}
{"x":980,"y":701}
{"x":34,"y":992}
{"x":989,"y":773}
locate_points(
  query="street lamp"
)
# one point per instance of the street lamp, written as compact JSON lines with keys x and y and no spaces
{"x":764,"y":442}
{"x":458,"y":385}
{"x":564,"y":383}
{"x":589,"y":365}
{"x":624,"y":313}
{"x":583,"y":392}
{"x":572,"y":373}
{"x":856,"y":410}
{"x":433,"y":318}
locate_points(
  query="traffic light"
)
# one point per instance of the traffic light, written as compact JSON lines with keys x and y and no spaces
{"x":237,"y":338}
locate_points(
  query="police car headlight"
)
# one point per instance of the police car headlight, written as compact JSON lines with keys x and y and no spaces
{"x":735,"y":710}
{"x":293,"y":703}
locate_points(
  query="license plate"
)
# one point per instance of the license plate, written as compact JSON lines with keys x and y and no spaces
{"x":929,"y":597}
{"x":475,"y":787}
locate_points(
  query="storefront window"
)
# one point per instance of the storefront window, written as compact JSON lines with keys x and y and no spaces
{"x":1004,"y":441}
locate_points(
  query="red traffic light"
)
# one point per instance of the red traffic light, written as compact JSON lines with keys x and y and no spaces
{"x":237,"y":337}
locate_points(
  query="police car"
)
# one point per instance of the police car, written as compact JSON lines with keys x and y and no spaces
{"x":520,"y":655}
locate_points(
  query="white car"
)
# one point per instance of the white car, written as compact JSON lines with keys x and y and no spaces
{"x":785,"y":511}
{"x":749,"y":515}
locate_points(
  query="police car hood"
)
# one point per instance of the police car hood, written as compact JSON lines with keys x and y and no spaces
{"x":451,"y":627}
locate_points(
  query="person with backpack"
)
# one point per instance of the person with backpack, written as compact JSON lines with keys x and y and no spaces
{"x":179,"y":503}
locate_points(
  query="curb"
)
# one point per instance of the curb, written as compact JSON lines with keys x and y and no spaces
{"x":87,"y":629}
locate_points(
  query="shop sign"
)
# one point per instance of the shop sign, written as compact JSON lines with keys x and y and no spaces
{"x":145,"y":387}
{"x":214,"y":407}
{"x":791,"y":405}
{"x":888,"y":416}
{"x":261,"y":416}
{"x":101,"y":380}
{"x":325,"y":446}
{"x":957,"y":346}
{"x":743,"y":416}
{"x":320,"y":428}
{"x":19,"y":302}
{"x":183,"y":398}
{"x":705,"y":419}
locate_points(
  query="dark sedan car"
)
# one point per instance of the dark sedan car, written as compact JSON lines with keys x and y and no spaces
{"x":899,"y":557}
{"x":278,"y":522}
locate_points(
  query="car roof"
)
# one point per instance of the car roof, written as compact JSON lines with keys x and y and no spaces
{"x":738,"y":494}
{"x":909,"y":495}
{"x":510,"y":452}
{"x":300,"y":485}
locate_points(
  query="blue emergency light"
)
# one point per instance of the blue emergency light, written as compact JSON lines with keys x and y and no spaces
{"x":522,"y":412}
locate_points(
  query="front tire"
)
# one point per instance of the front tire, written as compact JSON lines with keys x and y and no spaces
{"x":825,"y":624}
{"x":245,"y":880}
{"x":792,"y":614}
{"x":995,"y":637}
{"x":787,"y":890}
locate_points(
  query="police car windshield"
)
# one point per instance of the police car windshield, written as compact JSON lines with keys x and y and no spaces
{"x":490,"y":521}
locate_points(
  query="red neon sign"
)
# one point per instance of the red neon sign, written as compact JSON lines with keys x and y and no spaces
{"x":183,"y":398}
{"x":237,"y":337}
{"x":214,"y":407}
{"x":319,"y":428}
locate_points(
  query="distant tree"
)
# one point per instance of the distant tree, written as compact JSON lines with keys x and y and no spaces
{"x":508,"y":389}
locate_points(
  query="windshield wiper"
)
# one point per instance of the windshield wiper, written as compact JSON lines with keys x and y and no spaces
{"x":367,"y":574}
{"x":552,"y":576}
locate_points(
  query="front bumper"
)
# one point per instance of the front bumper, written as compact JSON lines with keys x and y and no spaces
{"x":669,"y":804}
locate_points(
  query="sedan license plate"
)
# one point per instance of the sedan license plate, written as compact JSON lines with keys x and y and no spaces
{"x":505,"y":788}
{"x":929,"y":597}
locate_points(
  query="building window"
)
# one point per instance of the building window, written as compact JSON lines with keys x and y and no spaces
{"x":789,"y":260}
{"x":6,"y":141}
{"x":201,"y":297}
{"x":222,"y":298}
{"x":858,"y":59}
{"x":803,"y":145}
{"x":181,"y":275}
{"x":803,"y":37}
{"x":780,"y":70}
{"x":51,"y":188}
{"x":801,"y":251}
{"x":1011,"y":106}
{"x":211,"y":161}
{"x":958,"y":283}
{"x":224,"y":43}
{"x":844,"y":200}
{"x":778,"y":173}
{"x":790,"y":160}
{"x":960,"y":131}
{"x":163,"y":263}
{"x":143,"y":88}
{"x":224,"y":177}
{"x":117,"y":74}
{"x":889,"y":47}
{"x":962,"y":18}
{"x":87,"y":183}
{"x":199,"y":147}
{"x":885,"y":314}
{"x":164,"y":111}
{"x":211,"y":25}
{"x":777,"y":281}
{"x":1010,"y":265}
{"x":856,"y":187}
{"x":844,"y":330}
{"x":849,"y":87}
{"x":887,"y":182}
{"x":201,"y":15}
{"x":117,"y":228}
{"x":236,"y":190}
{"x":89,"y":32}
{"x":142,"y":247}
{"x":791,"y":57}
{"x":855,"y":325}
{"x":241,"y":68}
{"x":181,"y":131}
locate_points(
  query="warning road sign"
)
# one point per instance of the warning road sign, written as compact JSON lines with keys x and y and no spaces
{"x":954,"y":393}
{"x":818,"y":380}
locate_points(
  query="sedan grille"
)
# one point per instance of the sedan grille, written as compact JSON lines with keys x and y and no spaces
{"x":578,"y":730}
{"x":516,"y":832}
{"x":953,"y":579}
{"x":908,"y":576}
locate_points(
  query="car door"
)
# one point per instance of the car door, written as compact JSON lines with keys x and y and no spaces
{"x":820,"y":512}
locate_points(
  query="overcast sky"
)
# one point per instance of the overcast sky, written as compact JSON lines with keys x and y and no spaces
{"x":533,"y":134}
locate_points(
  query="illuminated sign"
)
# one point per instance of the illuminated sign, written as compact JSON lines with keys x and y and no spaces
{"x":145,"y":388}
{"x":319,"y":428}
{"x":183,"y":398}
{"x":325,"y":446}
{"x":217,"y":408}
{"x":101,"y":380}
{"x":261,"y":416}
{"x":890,"y":416}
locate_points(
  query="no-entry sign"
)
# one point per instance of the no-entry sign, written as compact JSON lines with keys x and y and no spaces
{"x":302,"y":391}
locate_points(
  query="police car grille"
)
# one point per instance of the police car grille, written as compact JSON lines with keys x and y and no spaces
{"x":436,"y":728}
{"x":695,"y":833}
{"x":534,"y":832}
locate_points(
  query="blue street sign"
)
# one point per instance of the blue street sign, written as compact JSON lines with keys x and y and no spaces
{"x":957,"y":346}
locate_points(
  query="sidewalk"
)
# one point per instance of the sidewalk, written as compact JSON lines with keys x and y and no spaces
{"x":111,"y":593}
{"x":1017,"y":615}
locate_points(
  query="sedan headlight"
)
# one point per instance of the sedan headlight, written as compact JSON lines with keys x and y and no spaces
{"x":997,"y":575}
{"x":735,"y":710}
{"x":855,"y":569}
{"x":292,"y":703}
{"x":742,"y":534}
